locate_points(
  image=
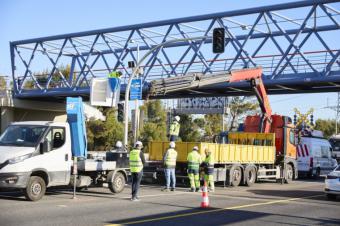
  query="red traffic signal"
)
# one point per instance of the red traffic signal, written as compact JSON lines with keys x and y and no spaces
{"x":218,"y":40}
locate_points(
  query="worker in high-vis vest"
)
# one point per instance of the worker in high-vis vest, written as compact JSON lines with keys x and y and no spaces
{"x":208,"y":166}
{"x":174,"y":129}
{"x":194,"y":161}
{"x":169,"y":161}
{"x":137,"y":162}
{"x":115,"y":74}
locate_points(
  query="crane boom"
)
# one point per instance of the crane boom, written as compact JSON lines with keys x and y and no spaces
{"x":253,"y":75}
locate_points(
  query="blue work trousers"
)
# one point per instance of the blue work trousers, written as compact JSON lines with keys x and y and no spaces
{"x":170,"y":177}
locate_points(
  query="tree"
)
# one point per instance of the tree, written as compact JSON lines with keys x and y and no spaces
{"x":190,"y":131}
{"x":326,"y":126}
{"x":213,"y":124}
{"x":239,"y":106}
{"x":154,"y":128}
{"x":2,"y":83}
{"x":103,"y":135}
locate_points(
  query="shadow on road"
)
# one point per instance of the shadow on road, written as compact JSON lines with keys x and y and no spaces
{"x":219,"y":217}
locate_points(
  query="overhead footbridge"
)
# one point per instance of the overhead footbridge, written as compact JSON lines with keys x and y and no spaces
{"x":295,"y":44}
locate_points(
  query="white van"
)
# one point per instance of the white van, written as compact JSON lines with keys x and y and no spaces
{"x":314,"y":155}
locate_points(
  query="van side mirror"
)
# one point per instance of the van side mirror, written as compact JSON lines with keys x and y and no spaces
{"x":45,"y":146}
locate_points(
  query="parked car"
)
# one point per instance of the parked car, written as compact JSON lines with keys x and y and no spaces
{"x":332,"y":183}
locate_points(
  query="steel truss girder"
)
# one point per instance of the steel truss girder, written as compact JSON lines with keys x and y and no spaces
{"x":256,"y":42}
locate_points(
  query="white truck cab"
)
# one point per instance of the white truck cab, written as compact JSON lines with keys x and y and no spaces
{"x":314,"y":155}
{"x":35,"y":155}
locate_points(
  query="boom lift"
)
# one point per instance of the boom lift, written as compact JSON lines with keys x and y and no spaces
{"x":265,"y":149}
{"x":254,"y":77}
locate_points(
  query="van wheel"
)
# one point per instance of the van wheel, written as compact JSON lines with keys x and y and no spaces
{"x":250,"y":176}
{"x":35,"y":189}
{"x":235,"y":176}
{"x":118,"y":183}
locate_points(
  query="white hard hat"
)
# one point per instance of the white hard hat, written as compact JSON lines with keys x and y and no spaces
{"x":119,"y":144}
{"x":139,"y":143}
{"x":172,"y":144}
{"x":177,"y":118}
{"x":195,"y":148}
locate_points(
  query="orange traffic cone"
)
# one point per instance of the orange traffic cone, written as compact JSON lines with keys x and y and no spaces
{"x":205,"y":198}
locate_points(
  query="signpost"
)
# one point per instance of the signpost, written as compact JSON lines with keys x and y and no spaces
{"x":136,"y":89}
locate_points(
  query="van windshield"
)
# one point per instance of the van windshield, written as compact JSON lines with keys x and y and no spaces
{"x":22,"y":135}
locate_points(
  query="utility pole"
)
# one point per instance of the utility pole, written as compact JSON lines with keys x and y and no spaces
{"x":337,"y":112}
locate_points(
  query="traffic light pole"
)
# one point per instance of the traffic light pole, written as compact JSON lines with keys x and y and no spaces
{"x":134,"y":73}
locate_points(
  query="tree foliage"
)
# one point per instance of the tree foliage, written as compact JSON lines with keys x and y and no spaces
{"x":154,"y":128}
{"x":2,"y":83}
{"x":326,"y":126}
{"x":190,"y":129}
{"x":240,"y":106}
{"x":213,"y":124}
{"x":42,"y":77}
{"x":102,"y":135}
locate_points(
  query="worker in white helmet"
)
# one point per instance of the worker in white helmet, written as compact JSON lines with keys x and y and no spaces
{"x":119,"y":147}
{"x":137,"y":162}
{"x":169,"y":161}
{"x":174,"y":128}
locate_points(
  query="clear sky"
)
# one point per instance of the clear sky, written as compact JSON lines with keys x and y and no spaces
{"x":24,"y":19}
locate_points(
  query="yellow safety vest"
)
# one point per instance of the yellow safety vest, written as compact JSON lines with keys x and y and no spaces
{"x":194,"y":160}
{"x":209,"y":165}
{"x":136,"y":164}
{"x":174,"y":128}
{"x":170,"y":161}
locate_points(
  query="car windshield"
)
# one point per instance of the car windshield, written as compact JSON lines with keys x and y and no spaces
{"x":22,"y":135}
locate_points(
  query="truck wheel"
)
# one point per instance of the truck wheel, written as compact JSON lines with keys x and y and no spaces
{"x":36,"y":188}
{"x":235,"y":176}
{"x":331,"y":196}
{"x":250,"y":176}
{"x":289,"y":174}
{"x":118,"y":183}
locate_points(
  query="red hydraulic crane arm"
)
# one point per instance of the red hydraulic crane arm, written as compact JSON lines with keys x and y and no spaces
{"x":254,"y":76}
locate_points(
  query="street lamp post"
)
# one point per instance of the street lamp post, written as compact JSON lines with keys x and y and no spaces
{"x":134,"y":72}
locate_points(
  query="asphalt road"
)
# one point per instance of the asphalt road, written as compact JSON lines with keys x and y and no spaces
{"x":267,"y":203}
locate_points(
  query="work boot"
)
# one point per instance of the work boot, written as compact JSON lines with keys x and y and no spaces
{"x":173,"y":189}
{"x":192,"y":190}
{"x":197,"y":189}
{"x":166,"y":189}
{"x":211,"y":190}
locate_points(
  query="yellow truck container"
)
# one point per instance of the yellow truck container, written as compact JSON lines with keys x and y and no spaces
{"x":246,"y":158}
{"x":243,"y":148}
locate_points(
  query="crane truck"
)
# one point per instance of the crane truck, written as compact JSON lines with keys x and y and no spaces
{"x":36,"y":155}
{"x":265,"y":149}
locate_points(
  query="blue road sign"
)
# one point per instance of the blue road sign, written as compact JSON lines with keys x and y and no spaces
{"x":136,"y":89}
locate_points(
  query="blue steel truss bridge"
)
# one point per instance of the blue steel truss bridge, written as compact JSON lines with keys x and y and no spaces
{"x":295,"y":43}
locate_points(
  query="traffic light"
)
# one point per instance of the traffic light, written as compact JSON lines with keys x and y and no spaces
{"x":218,"y":40}
{"x":120,"y":112}
{"x":312,"y":120}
